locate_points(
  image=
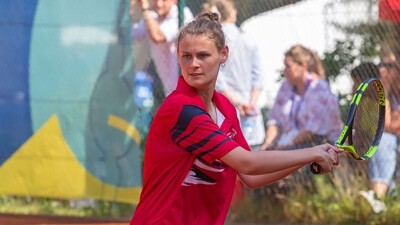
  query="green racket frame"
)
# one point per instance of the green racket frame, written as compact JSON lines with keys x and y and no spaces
{"x":348,"y":126}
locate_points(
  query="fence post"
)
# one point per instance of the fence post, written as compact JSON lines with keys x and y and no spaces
{"x":181,"y":6}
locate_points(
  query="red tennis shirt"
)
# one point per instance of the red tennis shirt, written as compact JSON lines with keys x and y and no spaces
{"x":184,"y":180}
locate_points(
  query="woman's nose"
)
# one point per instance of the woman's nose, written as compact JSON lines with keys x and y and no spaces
{"x":194,"y":62}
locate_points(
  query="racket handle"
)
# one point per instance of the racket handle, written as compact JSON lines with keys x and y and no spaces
{"x":315,"y":168}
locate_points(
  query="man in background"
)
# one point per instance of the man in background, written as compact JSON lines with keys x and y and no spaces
{"x":159,"y":25}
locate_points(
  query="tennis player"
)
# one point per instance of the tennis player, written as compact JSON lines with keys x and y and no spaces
{"x":195,"y":148}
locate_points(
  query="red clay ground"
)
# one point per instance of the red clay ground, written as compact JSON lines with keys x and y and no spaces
{"x":13,"y":219}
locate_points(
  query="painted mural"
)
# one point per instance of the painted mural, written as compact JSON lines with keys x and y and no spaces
{"x":69,"y":125}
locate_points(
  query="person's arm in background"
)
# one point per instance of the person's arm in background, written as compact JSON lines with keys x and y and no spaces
{"x":255,"y":94}
{"x":151,"y":24}
{"x":232,"y":98}
{"x":138,"y":30}
{"x":257,"y":77}
{"x":273,"y":125}
{"x":272,"y":134}
{"x":223,"y":87}
{"x":388,"y":116}
{"x":396,"y":122}
{"x":392,"y":120}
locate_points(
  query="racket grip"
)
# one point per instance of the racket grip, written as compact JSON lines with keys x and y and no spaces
{"x":315,"y":168}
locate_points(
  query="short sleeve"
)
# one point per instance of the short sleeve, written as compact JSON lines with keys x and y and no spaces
{"x":195,"y":132}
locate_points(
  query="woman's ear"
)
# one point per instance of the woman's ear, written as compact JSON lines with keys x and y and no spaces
{"x":224,"y":54}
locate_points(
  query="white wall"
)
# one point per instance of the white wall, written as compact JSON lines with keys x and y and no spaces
{"x":308,"y":23}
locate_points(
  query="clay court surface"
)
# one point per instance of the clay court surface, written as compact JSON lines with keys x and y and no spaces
{"x":13,"y":219}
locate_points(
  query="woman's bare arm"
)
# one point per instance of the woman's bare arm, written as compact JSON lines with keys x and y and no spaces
{"x":264,"y":162}
{"x":257,"y":181}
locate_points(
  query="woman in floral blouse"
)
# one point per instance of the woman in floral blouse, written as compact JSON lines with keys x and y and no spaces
{"x":305,"y":111}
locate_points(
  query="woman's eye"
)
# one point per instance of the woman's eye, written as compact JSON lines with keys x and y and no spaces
{"x":186,"y":56}
{"x":202,"y":56}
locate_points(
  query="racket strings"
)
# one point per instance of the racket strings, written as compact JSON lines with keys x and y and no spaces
{"x":366,"y":120}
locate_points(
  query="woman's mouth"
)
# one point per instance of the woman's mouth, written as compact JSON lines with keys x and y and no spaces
{"x":195,"y":74}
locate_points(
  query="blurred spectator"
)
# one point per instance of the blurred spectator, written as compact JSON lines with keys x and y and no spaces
{"x":305,"y":111}
{"x":160,"y":27}
{"x":362,"y":72}
{"x":382,"y":166}
{"x":240,"y":79}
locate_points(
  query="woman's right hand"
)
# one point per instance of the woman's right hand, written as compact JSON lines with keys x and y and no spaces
{"x":327,"y":156}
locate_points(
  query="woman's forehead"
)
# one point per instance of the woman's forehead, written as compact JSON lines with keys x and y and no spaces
{"x":200,"y":41}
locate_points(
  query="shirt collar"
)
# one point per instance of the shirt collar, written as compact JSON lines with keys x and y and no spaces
{"x":219,"y":100}
{"x":186,"y":89}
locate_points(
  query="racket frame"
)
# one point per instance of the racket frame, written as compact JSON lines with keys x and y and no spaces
{"x":348,"y":125}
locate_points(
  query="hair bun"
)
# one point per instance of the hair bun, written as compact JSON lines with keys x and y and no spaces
{"x":214,"y":16}
{"x":210,"y":16}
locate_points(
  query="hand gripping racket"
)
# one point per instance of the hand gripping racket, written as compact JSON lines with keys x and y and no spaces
{"x":365,"y":122}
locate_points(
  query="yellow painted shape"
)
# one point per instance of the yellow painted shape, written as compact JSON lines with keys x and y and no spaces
{"x":124,"y":126}
{"x":46,"y":166}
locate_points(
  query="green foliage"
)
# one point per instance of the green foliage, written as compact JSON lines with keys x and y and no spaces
{"x":333,"y":198}
{"x":47,"y":206}
{"x":334,"y":201}
{"x":363,"y":43}
{"x":339,"y":59}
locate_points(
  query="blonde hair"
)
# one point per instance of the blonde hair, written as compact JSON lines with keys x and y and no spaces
{"x":306,"y":57}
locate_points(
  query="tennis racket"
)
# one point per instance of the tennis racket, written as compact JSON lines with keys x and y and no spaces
{"x":365,"y":122}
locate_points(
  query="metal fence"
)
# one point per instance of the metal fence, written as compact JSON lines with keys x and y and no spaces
{"x":345,"y":34}
{"x":70,"y":100}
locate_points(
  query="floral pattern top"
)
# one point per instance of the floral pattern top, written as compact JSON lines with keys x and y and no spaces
{"x":316,"y":111}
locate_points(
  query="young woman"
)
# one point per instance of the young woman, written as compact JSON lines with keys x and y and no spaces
{"x":159,"y":25}
{"x":195,"y":149}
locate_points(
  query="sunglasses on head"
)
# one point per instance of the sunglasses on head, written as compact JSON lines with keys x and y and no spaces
{"x":386,"y":65}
